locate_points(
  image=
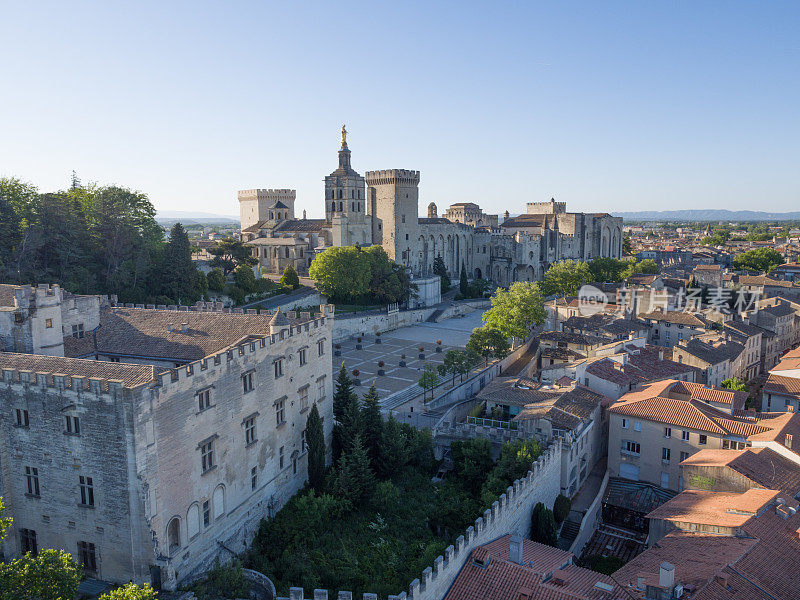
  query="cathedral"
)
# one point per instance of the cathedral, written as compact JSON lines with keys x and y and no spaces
{"x":382,"y":208}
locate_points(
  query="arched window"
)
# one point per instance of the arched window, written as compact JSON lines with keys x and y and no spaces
{"x":219,"y":502}
{"x":174,"y":535}
{"x":340,"y":194}
{"x":193,"y":520}
{"x":340,"y":204}
{"x":271,"y":216}
{"x":352,"y":193}
{"x":333,"y":206}
{"x":359,"y":206}
{"x":352,"y":206}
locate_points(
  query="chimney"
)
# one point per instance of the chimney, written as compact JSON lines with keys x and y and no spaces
{"x":515,"y":549}
{"x":304,"y":214}
{"x":789,"y":407}
{"x":788,"y":442}
{"x":170,"y":326}
{"x":666,"y":575}
{"x":722,"y":578}
{"x":661,"y":354}
{"x":184,"y":327}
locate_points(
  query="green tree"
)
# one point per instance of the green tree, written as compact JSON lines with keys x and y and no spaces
{"x":536,"y":515}
{"x":441,"y":270}
{"x":394,"y":451}
{"x":355,"y":480}
{"x":453,"y":363}
{"x":131,"y":591}
{"x":179,"y":273}
{"x":347,"y":416}
{"x":546,"y":530}
{"x":605,"y":269}
{"x":342,"y":273}
{"x":734,"y":384}
{"x":245,"y":279}
{"x":487,"y":342}
{"x":565,"y":278}
{"x":216,"y":280}
{"x":761,"y":260}
{"x":5,"y":522}
{"x":50,"y":575}
{"x":472,"y":460}
{"x":342,"y":393}
{"x":514,"y":463}
{"x":627,"y":247}
{"x":372,"y":427}
{"x":428,"y":380}
{"x":463,"y":283}
{"x":516,"y":310}
{"x":230,"y":253}
{"x":315,"y":440}
{"x":561,"y":508}
{"x":289,"y":278}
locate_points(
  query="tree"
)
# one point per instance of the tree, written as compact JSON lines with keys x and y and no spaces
{"x":536,"y":515}
{"x":315,"y":440}
{"x":131,"y":591}
{"x":50,"y":575}
{"x":761,"y":260}
{"x":428,"y":380}
{"x":463,"y":283}
{"x":245,"y":279}
{"x":372,"y":427}
{"x":452,"y":363}
{"x":516,"y":310}
{"x":216,"y":280}
{"x":514,"y":463}
{"x":735,"y":384}
{"x":230,"y":253}
{"x":487,"y":343}
{"x":354,"y":480}
{"x":604,"y":269}
{"x":342,"y":394}
{"x":565,"y":278}
{"x":178,"y":271}
{"x":394,"y":452}
{"x":472,"y":460}
{"x":5,"y":522}
{"x":546,"y":530}
{"x":561,"y":508}
{"x":441,"y":270}
{"x":627,"y":247}
{"x":289,"y":278}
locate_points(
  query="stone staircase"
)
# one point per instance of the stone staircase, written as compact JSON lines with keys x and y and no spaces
{"x":569,"y":531}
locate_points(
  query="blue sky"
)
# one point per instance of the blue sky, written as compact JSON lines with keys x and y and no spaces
{"x":608,"y":106}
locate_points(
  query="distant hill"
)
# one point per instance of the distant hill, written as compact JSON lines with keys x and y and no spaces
{"x":707,"y":215}
{"x":194,"y":218}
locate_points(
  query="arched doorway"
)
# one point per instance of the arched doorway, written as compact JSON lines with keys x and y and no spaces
{"x":478,"y":274}
{"x":174,"y":535}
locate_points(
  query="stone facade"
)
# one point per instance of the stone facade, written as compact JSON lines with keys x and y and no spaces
{"x":382,"y":208}
{"x":150,"y":474}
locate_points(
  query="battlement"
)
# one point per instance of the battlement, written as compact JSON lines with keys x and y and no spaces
{"x":392,"y":177}
{"x":546,"y":208}
{"x":42,"y":295}
{"x":278,"y":193}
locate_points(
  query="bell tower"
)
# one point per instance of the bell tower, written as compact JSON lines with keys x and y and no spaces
{"x":346,"y":203}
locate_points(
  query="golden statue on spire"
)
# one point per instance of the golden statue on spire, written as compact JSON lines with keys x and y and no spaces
{"x":344,"y":137}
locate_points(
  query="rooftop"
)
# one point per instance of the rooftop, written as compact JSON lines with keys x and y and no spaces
{"x":724,"y":509}
{"x":674,"y":316}
{"x":130,"y":375}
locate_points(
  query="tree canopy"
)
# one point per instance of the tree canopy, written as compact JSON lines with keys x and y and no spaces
{"x":516,"y":310}
{"x":565,"y":278}
{"x":761,"y":260}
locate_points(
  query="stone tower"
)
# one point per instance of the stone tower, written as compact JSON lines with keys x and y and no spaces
{"x":345,"y":202}
{"x":394,"y":200}
{"x":433,"y":212}
{"x":256,"y":206}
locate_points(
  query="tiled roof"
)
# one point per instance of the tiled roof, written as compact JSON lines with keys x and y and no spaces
{"x":131,"y":375}
{"x":787,"y":364}
{"x":543,"y":559}
{"x":725,"y":509}
{"x":776,"y":384}
{"x":303,"y":225}
{"x":523,"y":221}
{"x":566,"y":411}
{"x":699,"y":391}
{"x":674,"y":316}
{"x":571,"y":338}
{"x":710,"y":353}
{"x":780,"y":310}
{"x":757,"y":280}
{"x":707,"y":268}
{"x":7,"y":294}
{"x":144,"y":332}
{"x":434,"y":221}
{"x":640,"y":368}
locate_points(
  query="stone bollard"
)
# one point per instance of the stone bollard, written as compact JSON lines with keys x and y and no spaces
{"x":320,"y":594}
{"x":295,"y":593}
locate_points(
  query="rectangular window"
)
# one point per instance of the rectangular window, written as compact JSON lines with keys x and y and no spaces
{"x":22,"y":418}
{"x":280,"y":458}
{"x":207,"y":456}
{"x":684,"y":456}
{"x":667,"y":432}
{"x":204,"y":399}
{"x":77,"y":331}
{"x":32,"y":480}
{"x":629,"y":447}
{"x":253,"y":478}
{"x":321,"y":348}
{"x":249,"y":430}
{"x":664,"y":479}
{"x":247,"y":382}
{"x":27,"y":540}
{"x":72,"y":425}
{"x":206,"y":513}
{"x":303,"y":392}
{"x":665,"y":454}
{"x":294,"y":465}
{"x":87,"y":490}
{"x":48,"y":323}
{"x":321,"y":389}
{"x":303,"y":441}
{"x":685,"y":436}
{"x":637,"y":425}
{"x":278,"y":365}
{"x":703,"y":439}
{"x":302,"y":355}
{"x":280,"y":412}
{"x":87,"y":556}
{"x":624,"y":423}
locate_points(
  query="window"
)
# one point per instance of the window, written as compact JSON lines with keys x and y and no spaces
{"x":703,"y":439}
{"x":253,"y":478}
{"x":403,"y":218}
{"x":624,"y":423}
{"x":23,"y":419}
{"x":664,"y":479}
{"x":87,"y":490}
{"x":629,"y":447}
{"x":27,"y":541}
{"x":72,"y":425}
{"x":204,"y":399}
{"x":206,"y":513}
{"x":321,"y":389}
{"x":302,"y":355}
{"x":294,"y":464}
{"x":667,"y":432}
{"x":637,"y":425}
{"x":321,"y":348}
{"x":303,"y":391}
{"x":303,"y":441}
{"x":32,"y":480}
{"x":219,"y":502}
{"x":280,"y":412}
{"x":250,"y":430}
{"x":685,"y":436}
{"x":665,"y":454}
{"x":207,"y":456}
{"x":247,"y":382}
{"x":87,"y":556}
{"x":684,"y":456}
{"x":193,"y":521}
{"x":278,"y":366}
{"x":77,"y":331}
{"x":48,"y":323}
{"x":280,"y":458}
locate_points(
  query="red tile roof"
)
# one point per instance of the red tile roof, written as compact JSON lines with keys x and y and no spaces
{"x":725,"y":509}
{"x":788,"y":386}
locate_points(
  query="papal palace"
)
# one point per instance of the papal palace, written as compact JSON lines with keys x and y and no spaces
{"x":382,"y":208}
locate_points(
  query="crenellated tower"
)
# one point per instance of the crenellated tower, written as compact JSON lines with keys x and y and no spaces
{"x":394,"y":200}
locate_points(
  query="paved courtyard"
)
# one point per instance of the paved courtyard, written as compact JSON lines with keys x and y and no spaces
{"x":454,"y":333}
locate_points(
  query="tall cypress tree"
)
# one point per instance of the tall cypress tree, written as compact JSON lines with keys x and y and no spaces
{"x":178,"y":270}
{"x":355,"y":480}
{"x":372,"y":427}
{"x":463,"y":284}
{"x":315,"y":440}
{"x":342,"y":393}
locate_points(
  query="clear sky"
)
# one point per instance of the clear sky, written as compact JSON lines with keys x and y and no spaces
{"x":608,"y":106}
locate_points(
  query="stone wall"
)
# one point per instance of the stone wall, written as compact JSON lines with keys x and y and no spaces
{"x":352,"y":325}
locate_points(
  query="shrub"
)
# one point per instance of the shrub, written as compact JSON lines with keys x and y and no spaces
{"x":223,"y":581}
{"x":356,"y":372}
{"x":438,"y":342}
{"x":131,"y":591}
{"x":561,"y":508}
{"x":381,"y":363}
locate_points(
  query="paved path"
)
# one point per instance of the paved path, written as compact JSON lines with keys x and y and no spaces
{"x":588,"y":492}
{"x":295,"y":296}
